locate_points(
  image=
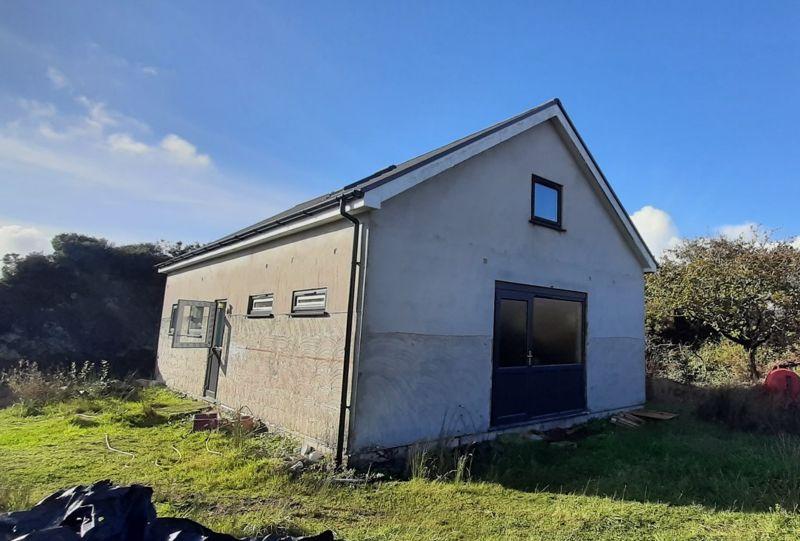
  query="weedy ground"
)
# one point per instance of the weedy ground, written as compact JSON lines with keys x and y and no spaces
{"x":679,"y":479}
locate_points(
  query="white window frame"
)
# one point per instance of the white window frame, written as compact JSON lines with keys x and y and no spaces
{"x":309,"y":302}
{"x":253,"y":311}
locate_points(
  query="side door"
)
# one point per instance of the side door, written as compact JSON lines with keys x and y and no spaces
{"x":217,"y":350}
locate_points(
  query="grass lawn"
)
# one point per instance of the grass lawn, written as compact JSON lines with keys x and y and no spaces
{"x":680,"y":479}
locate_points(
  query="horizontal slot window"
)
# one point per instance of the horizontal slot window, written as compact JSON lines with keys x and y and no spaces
{"x":309,"y":302}
{"x":260,"y":305}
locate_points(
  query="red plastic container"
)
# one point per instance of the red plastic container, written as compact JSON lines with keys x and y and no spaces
{"x":784,"y":381}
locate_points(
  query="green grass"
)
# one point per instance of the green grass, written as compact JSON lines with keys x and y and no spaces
{"x":681,"y":479}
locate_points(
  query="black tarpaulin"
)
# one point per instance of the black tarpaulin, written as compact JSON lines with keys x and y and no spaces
{"x":103,"y":512}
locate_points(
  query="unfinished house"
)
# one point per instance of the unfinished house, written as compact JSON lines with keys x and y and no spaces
{"x":493,"y":284}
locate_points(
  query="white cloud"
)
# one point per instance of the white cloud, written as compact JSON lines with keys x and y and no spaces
{"x":657,"y":229}
{"x":77,"y":149}
{"x":58,"y":79}
{"x":37,"y":108}
{"x":18,"y":239}
{"x":149,"y":70}
{"x":89,"y":167}
{"x":122,"y":142}
{"x":745,"y":231}
{"x":752,"y":231}
{"x":98,"y":116}
{"x":183,"y":151}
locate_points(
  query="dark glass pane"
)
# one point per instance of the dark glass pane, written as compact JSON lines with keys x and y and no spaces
{"x":511,"y":324}
{"x":219,"y":324}
{"x":557,"y":331}
{"x":545,"y":202}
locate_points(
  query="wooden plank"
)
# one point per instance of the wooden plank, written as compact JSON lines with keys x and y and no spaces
{"x":632,"y":418}
{"x":623,"y":422}
{"x":652,"y":414}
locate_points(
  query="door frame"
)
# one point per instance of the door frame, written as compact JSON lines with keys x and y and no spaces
{"x":211,"y":353}
{"x":548,"y":293}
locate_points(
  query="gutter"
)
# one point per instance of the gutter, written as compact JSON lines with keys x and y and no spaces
{"x":348,"y":336}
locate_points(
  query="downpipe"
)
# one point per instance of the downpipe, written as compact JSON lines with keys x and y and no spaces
{"x":348,"y":336}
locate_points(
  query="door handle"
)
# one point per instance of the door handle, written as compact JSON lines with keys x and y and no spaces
{"x":530,"y":357}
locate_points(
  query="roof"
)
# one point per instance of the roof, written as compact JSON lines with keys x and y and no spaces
{"x":392,"y":172}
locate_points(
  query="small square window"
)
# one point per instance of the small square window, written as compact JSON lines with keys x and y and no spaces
{"x":309,"y":302}
{"x":260,"y":305}
{"x":172,"y":316}
{"x":546,"y":202}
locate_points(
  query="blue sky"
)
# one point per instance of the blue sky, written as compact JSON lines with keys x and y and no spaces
{"x":184,"y":120}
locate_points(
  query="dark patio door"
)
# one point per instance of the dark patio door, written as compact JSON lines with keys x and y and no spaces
{"x":538,"y":353}
{"x":216,"y":351}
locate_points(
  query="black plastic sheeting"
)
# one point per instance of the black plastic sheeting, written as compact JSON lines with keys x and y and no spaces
{"x":103,"y":512}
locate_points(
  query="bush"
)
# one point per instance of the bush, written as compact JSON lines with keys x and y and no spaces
{"x":750,"y":408}
{"x":717,"y":362}
{"x":673,"y":393}
{"x":32,"y":388}
{"x":88,"y":299}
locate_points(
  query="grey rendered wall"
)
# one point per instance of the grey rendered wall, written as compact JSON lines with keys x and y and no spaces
{"x":435,"y":253}
{"x":286,"y":370}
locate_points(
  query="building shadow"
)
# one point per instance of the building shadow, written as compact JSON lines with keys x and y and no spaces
{"x":679,"y":462}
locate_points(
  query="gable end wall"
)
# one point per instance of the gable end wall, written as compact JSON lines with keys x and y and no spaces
{"x":435,"y":253}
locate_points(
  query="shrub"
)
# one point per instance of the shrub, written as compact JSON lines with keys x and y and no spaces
{"x":671,"y":392}
{"x":677,"y":362}
{"x":31,"y":387}
{"x":750,"y":408}
{"x":717,"y":362}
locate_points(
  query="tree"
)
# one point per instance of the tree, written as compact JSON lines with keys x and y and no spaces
{"x":747,"y":290}
{"x":175,"y":249}
{"x":88,"y":300}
